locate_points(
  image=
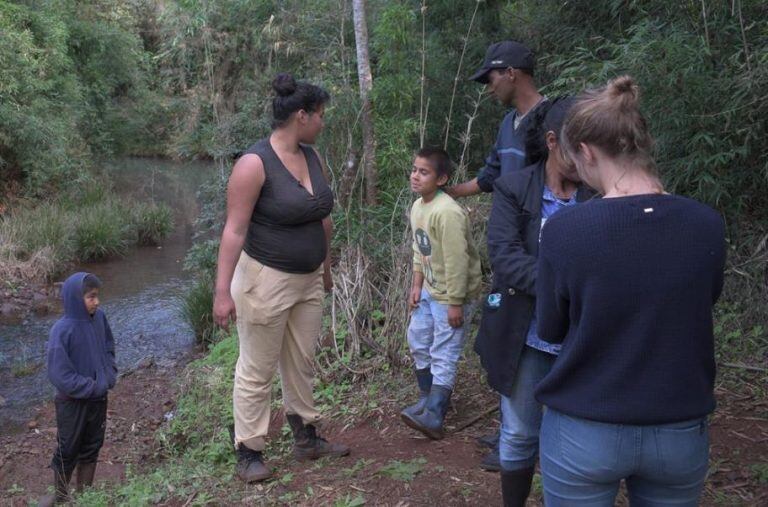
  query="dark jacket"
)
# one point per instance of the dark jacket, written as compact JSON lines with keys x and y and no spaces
{"x":81,"y":349}
{"x":510,"y":152}
{"x":513,"y":247}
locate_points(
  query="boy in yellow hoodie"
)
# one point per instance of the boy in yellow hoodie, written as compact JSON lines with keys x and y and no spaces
{"x":446,"y":279}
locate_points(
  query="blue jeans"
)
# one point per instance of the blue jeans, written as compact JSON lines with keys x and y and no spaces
{"x":583,"y":462}
{"x":433,"y":342}
{"x":521,"y":413}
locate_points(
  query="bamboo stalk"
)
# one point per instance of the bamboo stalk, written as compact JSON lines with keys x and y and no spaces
{"x":456,"y":78}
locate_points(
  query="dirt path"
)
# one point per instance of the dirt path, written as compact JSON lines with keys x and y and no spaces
{"x":137,"y":408}
{"x":390,"y":464}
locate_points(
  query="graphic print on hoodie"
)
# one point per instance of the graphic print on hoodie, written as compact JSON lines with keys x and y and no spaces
{"x":81,"y":348}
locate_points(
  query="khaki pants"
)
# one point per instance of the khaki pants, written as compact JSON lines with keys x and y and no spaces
{"x":279,"y":316}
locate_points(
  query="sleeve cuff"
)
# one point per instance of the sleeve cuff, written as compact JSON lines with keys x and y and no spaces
{"x":485,"y":184}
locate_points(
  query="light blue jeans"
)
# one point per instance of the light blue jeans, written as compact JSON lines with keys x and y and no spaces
{"x":583,"y":462}
{"x":521,"y":413}
{"x":433,"y":342}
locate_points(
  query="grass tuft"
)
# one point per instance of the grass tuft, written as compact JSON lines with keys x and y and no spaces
{"x":153,"y":223}
{"x":102,"y":231}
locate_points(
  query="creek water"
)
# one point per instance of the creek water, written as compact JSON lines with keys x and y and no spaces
{"x":141,"y":293}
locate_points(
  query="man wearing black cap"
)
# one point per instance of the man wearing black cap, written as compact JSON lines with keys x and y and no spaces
{"x":507,"y":73}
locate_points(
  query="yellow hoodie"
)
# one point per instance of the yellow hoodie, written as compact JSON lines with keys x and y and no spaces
{"x":443,"y":250}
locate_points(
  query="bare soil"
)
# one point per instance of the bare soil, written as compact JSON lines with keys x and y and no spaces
{"x":390,"y":464}
{"x":136,"y":409}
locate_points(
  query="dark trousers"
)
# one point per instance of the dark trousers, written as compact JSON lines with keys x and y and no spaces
{"x":80,"y":428}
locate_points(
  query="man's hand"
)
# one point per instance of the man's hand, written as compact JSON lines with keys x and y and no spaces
{"x":414,"y":296}
{"x":327,"y":281}
{"x":224,"y":310}
{"x":456,"y":315}
{"x":464,"y":189}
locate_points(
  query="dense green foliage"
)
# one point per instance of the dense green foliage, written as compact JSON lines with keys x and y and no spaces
{"x":74,"y":84}
{"x":191,"y":78}
{"x":700,"y":66}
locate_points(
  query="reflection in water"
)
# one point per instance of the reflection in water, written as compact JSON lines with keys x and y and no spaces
{"x":141,"y":293}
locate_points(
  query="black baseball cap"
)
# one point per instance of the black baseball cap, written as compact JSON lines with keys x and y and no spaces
{"x":504,"y":54}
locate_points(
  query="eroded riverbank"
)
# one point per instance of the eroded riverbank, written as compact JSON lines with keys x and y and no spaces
{"x":141,"y":293}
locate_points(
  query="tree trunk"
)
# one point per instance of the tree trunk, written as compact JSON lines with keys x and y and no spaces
{"x":366,"y":85}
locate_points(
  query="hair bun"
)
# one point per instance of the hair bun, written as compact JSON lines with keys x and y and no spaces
{"x":284,"y":85}
{"x":624,"y":87}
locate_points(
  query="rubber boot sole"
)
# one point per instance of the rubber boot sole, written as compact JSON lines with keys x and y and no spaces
{"x":438,"y":434}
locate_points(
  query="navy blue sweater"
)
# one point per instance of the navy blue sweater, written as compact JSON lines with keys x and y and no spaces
{"x":81,"y":348}
{"x":627,"y":286}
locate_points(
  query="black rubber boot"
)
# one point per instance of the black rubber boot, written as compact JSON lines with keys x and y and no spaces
{"x":85,"y":474}
{"x":430,"y":421}
{"x":424,"y":379}
{"x":492,"y":461}
{"x":490,"y":440}
{"x":515,"y":486}
{"x":308,"y":445}
{"x":250,"y":465}
{"x":61,"y":488}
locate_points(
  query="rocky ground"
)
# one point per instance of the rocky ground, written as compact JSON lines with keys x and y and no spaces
{"x":19,"y":301}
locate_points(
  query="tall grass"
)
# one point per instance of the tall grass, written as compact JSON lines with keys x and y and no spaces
{"x":153,"y":223}
{"x":40,"y":242}
{"x":102,"y":231}
{"x":197,"y":310}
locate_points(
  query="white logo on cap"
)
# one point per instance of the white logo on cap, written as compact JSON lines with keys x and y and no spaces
{"x":497,"y":62}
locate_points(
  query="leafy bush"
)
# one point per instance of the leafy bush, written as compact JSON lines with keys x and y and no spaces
{"x":74,"y":82}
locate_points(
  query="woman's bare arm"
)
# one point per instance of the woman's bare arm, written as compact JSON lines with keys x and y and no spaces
{"x":243,"y":191}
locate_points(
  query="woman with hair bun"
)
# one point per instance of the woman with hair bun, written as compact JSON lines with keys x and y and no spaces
{"x":626,"y":284}
{"x":273,"y":266}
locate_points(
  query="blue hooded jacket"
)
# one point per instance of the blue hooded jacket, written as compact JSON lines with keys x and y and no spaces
{"x":81,"y":348}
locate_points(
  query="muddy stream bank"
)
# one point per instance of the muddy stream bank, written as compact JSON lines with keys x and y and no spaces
{"x":141,"y":294}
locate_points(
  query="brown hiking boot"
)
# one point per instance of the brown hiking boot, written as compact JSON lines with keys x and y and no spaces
{"x":250,"y":465}
{"x":308,"y":445}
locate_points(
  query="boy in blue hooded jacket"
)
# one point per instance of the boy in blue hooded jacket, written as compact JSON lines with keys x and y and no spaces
{"x":81,"y":365}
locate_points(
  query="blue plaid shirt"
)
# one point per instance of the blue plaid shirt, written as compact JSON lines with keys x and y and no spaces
{"x":550,"y":204}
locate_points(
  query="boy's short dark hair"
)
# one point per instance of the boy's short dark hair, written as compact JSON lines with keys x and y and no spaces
{"x":90,"y":282}
{"x":439,"y":158}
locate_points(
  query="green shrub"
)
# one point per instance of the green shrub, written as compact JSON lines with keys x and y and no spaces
{"x":152,"y":223}
{"x":202,"y":257}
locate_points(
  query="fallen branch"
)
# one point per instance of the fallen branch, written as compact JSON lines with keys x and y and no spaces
{"x":189,"y":500}
{"x":745,"y":367}
{"x":472,"y":421}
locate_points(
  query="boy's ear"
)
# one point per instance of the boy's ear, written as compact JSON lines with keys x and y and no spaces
{"x":442,"y":180}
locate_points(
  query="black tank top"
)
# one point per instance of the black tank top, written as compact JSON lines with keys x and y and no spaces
{"x":286,"y":230}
